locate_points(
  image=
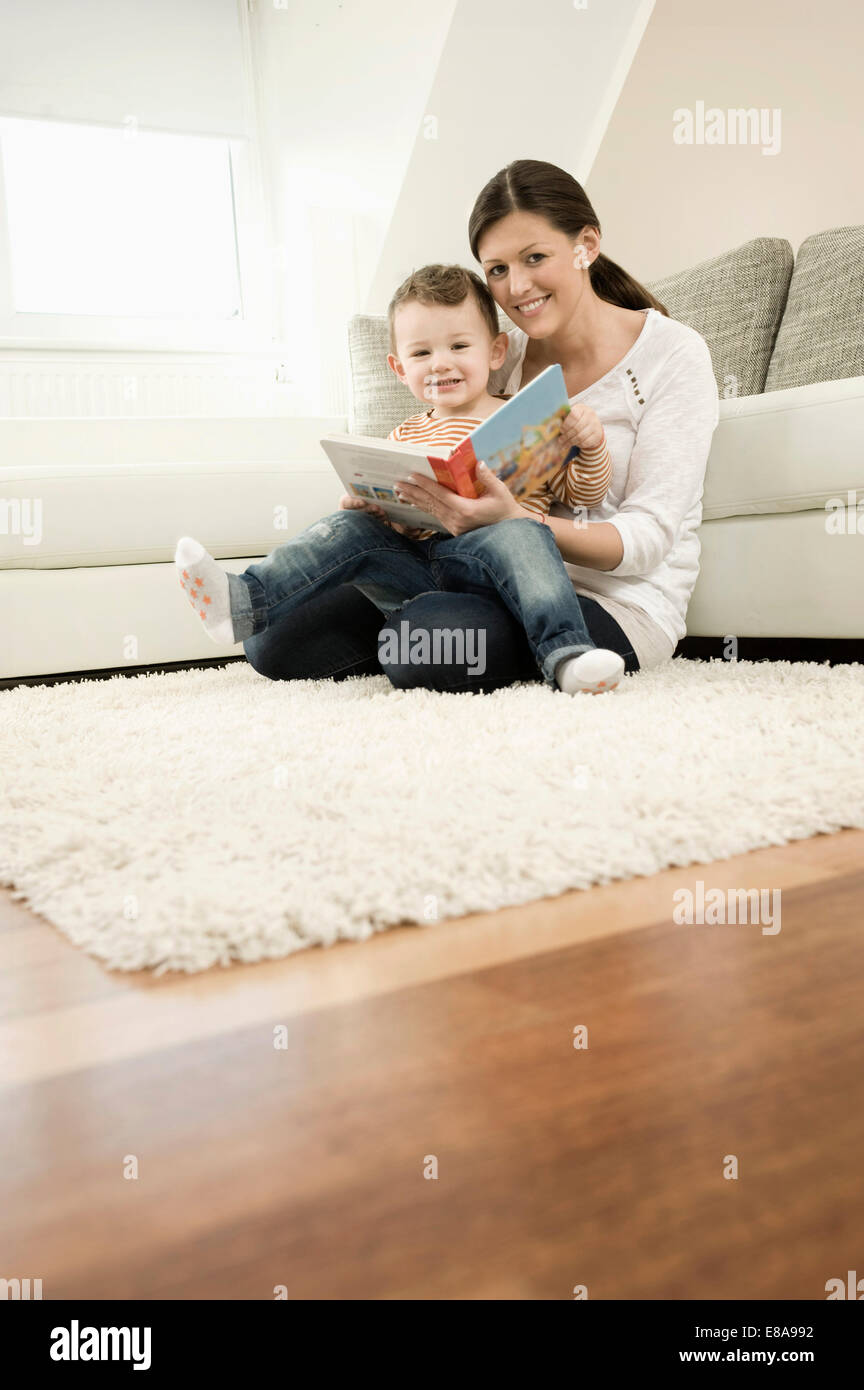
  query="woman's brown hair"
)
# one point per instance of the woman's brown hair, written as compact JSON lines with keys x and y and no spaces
{"x":531,"y":185}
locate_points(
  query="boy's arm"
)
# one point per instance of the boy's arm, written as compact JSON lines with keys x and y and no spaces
{"x":539,"y":501}
{"x":587,"y":476}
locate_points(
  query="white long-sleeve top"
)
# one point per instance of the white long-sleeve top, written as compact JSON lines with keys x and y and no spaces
{"x":659,"y":407}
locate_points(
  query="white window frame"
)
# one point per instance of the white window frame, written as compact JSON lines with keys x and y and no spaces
{"x":255,"y":330}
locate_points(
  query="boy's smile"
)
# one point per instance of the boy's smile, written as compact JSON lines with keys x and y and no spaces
{"x":444,"y":383}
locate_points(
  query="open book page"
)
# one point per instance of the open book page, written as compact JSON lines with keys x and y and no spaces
{"x":369,"y":468}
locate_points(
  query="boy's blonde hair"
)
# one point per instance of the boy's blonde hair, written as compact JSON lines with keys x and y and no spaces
{"x":444,"y":284}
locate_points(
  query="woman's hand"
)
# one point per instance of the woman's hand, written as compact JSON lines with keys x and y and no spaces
{"x":583,"y":428}
{"x":461,"y":514}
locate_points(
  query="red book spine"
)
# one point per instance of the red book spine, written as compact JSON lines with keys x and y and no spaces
{"x":459,"y":471}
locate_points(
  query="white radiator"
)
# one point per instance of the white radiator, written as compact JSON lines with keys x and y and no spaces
{"x":48,"y":385}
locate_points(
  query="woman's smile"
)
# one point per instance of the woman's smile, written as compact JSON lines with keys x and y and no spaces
{"x":529,"y":308}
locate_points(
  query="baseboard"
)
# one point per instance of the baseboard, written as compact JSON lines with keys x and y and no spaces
{"x":60,"y":677}
{"x":836,"y":650}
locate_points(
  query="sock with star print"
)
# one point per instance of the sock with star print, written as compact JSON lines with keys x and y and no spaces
{"x":206,"y":586}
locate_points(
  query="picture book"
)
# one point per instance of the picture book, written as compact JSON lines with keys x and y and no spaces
{"x":521,"y":442}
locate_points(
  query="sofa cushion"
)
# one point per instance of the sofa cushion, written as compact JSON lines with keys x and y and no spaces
{"x":736,"y":302}
{"x":821,"y":337}
{"x":378,"y":400}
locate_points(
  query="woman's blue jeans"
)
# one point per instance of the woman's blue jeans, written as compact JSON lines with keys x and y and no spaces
{"x":470,"y":612}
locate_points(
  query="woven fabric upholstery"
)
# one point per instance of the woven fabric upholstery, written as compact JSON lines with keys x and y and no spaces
{"x":736,"y":302}
{"x":821,"y":337}
{"x":378,"y":400}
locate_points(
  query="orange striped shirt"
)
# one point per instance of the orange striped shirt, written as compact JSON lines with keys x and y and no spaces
{"x":583,"y":482}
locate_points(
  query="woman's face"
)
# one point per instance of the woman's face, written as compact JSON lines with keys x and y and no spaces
{"x":529,"y":268}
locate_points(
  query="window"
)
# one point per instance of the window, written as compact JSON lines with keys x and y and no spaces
{"x":119,"y":233}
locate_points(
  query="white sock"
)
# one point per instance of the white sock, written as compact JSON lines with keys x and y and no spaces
{"x":206,"y":586}
{"x":592,"y":673}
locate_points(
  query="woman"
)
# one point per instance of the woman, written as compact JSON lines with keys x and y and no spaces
{"x":651,"y":382}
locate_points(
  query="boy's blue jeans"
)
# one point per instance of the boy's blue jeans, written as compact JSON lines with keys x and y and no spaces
{"x":516,"y":560}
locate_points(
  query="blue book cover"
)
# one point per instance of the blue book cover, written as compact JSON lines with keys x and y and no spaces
{"x":522,"y":442}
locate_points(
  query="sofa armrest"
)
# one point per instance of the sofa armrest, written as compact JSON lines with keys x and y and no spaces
{"x":786,"y":451}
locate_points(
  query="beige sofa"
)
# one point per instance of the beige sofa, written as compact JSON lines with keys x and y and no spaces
{"x":93,"y":587}
{"x":98,"y":589}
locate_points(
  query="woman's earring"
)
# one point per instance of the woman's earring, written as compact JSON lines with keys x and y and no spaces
{"x":581,"y":260}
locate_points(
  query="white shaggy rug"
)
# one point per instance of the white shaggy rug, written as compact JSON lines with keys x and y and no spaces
{"x":179,"y":821}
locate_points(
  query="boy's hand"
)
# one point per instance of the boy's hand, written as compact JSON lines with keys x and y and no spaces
{"x":583,"y":428}
{"x":412,"y":532}
{"x":359,"y":504}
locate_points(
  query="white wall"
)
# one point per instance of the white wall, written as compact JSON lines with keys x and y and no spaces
{"x":164,"y":64}
{"x":361,"y":192}
{"x":515,"y":81}
{"x":665,"y":206}
{"x":342,"y":89}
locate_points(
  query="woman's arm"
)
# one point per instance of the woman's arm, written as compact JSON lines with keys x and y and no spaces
{"x":595,"y":544}
{"x":666,"y":469}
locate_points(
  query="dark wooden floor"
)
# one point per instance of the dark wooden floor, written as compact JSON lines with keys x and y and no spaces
{"x":303,"y":1167}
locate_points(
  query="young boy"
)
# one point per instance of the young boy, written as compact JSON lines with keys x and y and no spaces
{"x":445,"y":341}
{"x":460,"y":396}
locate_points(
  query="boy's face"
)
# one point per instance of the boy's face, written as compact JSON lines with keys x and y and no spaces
{"x":445,"y":352}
